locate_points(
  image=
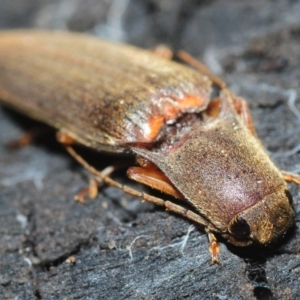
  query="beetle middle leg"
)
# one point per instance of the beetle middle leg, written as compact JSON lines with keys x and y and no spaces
{"x":150,"y":175}
{"x":214,"y":247}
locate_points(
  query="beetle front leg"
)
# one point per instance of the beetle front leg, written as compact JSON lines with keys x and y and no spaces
{"x":214,"y":247}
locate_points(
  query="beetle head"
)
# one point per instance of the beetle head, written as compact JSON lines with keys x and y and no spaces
{"x":265,"y":222}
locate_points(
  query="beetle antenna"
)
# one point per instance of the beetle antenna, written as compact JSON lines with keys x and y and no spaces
{"x":198,"y":65}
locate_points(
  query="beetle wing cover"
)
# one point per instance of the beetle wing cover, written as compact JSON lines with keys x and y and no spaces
{"x":103,"y":95}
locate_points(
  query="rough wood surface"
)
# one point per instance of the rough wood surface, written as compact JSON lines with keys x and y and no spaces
{"x":125,"y":249}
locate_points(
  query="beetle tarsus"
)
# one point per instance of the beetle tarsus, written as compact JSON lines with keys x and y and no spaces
{"x":91,"y":190}
{"x":214,"y":248}
{"x":80,"y":197}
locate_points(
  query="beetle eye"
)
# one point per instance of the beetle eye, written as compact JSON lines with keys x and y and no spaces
{"x":240,"y":229}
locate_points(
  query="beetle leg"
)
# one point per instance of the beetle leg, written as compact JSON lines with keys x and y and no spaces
{"x":214,"y":247}
{"x":65,"y":139}
{"x":92,"y":189}
{"x":22,"y":141}
{"x":104,"y":177}
{"x":291,"y":177}
{"x":154,"y":178}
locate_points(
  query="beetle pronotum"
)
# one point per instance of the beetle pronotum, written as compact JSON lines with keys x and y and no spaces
{"x":116,"y":98}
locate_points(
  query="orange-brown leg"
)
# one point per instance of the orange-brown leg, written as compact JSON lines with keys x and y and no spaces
{"x":291,"y":177}
{"x":27,"y":138}
{"x":92,"y":189}
{"x":214,"y":247}
{"x":153,"y":177}
{"x":65,"y":139}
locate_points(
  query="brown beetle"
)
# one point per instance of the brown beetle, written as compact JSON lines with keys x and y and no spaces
{"x":118,"y":98}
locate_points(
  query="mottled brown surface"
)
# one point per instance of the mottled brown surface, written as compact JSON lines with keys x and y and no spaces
{"x":104,"y":95}
{"x":254,"y":46}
